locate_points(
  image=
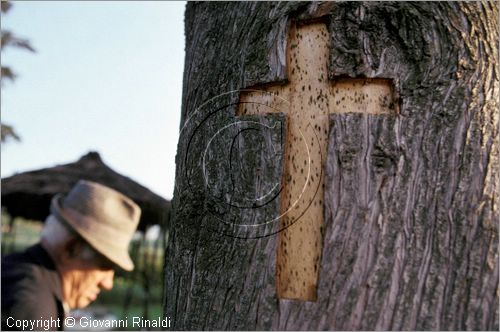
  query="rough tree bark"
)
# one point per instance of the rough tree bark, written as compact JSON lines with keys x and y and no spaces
{"x":411,"y":200}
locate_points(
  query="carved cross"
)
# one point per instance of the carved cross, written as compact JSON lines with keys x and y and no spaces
{"x":310,"y":98}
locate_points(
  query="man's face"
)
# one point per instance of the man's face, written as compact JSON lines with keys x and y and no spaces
{"x":83,"y":279}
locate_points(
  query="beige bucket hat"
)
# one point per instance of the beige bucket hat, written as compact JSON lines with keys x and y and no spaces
{"x":105,"y":218}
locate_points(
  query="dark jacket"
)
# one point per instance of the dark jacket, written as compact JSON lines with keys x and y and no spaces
{"x":31,"y":291}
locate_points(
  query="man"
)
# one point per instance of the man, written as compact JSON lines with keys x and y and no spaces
{"x":84,"y":239}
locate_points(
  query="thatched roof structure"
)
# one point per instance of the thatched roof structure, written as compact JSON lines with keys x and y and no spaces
{"x":28,"y":194}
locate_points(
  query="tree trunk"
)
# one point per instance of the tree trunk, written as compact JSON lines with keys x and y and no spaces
{"x":410,"y":238}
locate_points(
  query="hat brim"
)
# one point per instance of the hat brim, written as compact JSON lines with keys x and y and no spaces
{"x":118,"y":256}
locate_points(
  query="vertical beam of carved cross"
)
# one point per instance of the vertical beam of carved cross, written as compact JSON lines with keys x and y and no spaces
{"x":310,"y":98}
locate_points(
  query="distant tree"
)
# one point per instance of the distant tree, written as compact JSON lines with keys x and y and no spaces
{"x":10,"y":39}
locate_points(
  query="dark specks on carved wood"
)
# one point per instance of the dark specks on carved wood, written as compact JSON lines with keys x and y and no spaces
{"x":429,"y":218}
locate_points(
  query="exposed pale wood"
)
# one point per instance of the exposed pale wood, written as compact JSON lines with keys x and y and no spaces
{"x":307,"y":100}
{"x":411,"y":201}
{"x":367,"y":96}
{"x":299,"y":250}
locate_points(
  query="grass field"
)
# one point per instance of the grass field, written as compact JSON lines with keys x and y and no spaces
{"x":128,"y":287}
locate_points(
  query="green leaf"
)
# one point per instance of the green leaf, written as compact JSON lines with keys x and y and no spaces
{"x":8,"y":132}
{"x":6,"y":5}
{"x":8,"y":38}
{"x":7,"y":73}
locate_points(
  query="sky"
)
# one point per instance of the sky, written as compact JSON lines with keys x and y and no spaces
{"x":106,"y":77}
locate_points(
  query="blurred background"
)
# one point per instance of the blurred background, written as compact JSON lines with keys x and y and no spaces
{"x":93,"y":90}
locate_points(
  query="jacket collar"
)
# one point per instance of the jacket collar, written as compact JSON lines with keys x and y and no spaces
{"x":42,"y":257}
